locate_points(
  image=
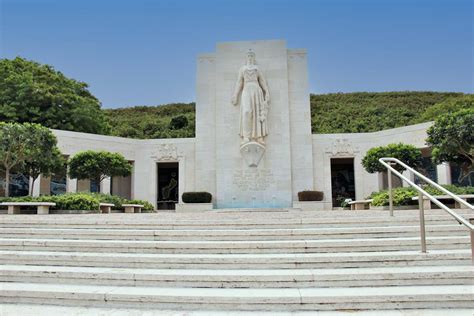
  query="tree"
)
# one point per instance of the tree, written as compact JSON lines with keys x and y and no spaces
{"x":408,"y":154}
{"x":450,"y":105}
{"x":98,"y":165}
{"x":14,"y":143}
{"x":29,"y":148}
{"x":452,"y":140}
{"x":178,"y":122}
{"x":44,"y":157}
{"x":31,"y":92}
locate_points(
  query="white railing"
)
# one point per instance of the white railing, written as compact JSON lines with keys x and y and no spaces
{"x":388,"y":162}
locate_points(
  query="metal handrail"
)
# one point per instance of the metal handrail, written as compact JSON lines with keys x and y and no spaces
{"x":421,"y":192}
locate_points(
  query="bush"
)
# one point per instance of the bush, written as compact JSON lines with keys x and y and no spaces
{"x":109,"y":198}
{"x":147,"y":206}
{"x":178,"y":122}
{"x":80,"y":201}
{"x":73,"y":201}
{"x":197,"y":197}
{"x":310,"y":196}
{"x":408,"y":154}
{"x":68,"y":201}
{"x":403,"y":196}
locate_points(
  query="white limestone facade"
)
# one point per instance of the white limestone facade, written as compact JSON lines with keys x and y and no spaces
{"x":294,"y":159}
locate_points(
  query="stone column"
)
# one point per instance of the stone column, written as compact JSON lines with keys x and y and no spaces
{"x":410,"y":176}
{"x":444,"y":173}
{"x":71,"y":185}
{"x":105,"y":186}
{"x":36,"y":188}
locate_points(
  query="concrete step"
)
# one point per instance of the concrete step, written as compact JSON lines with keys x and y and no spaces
{"x":55,"y":310}
{"x":210,"y":221}
{"x":344,"y":298}
{"x":248,"y":246}
{"x":286,"y":278}
{"x":232,"y":234}
{"x":237,"y":261}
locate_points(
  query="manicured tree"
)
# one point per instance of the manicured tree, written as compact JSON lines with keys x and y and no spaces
{"x":98,"y":165}
{"x":28,"y":148}
{"x":44,"y":157}
{"x":14,"y":142}
{"x":452,"y":140}
{"x":36,"y":93}
{"x":408,"y":154}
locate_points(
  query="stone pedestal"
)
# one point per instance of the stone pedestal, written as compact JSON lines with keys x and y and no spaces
{"x":252,"y":152}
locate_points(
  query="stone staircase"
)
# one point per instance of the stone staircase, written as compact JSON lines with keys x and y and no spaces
{"x":273,"y":260}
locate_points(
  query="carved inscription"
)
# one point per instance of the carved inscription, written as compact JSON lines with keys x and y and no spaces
{"x":253,"y":180}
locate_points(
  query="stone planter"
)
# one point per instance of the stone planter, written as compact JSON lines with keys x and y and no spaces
{"x":313,"y":205}
{"x":398,"y":207}
{"x":193,"y":207}
{"x":74,"y":212}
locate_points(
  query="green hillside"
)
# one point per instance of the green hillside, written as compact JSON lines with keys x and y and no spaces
{"x":330,"y":113}
{"x":152,"y":121}
{"x":373,"y":111}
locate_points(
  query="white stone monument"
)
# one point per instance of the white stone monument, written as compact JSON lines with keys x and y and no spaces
{"x":252,"y":151}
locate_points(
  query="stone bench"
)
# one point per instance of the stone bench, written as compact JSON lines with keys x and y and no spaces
{"x":133,"y":208}
{"x":427,"y":202}
{"x":106,"y":207}
{"x":359,"y":204}
{"x":41,"y":207}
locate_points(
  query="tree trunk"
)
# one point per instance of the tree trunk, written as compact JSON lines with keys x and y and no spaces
{"x":7,"y":182}
{"x":32,"y":185}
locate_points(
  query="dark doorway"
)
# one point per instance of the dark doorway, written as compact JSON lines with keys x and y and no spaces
{"x":168,"y":185}
{"x":342,"y":180}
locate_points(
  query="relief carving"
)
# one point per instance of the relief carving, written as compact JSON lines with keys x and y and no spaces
{"x":166,"y":152}
{"x":341,"y":147}
{"x":253,"y":180}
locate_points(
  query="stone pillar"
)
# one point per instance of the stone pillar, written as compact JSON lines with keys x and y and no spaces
{"x":83,"y":186}
{"x":36,"y":188}
{"x":44,"y":185}
{"x":408,"y":175}
{"x":71,"y":185}
{"x":444,"y":173}
{"x":105,"y":186}
{"x":301,"y":138}
{"x":205,"y":149}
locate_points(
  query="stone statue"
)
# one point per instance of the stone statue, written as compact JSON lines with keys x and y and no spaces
{"x":254,"y":102}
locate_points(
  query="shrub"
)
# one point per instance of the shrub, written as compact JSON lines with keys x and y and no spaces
{"x":403,"y":196}
{"x":310,"y":196}
{"x":73,"y":201}
{"x":109,"y":198}
{"x":178,"y":122}
{"x":147,"y":206}
{"x":68,"y":201}
{"x":197,"y":197}
{"x":408,"y":154}
{"x":80,"y":201}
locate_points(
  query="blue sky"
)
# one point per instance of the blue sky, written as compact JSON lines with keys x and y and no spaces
{"x":139,"y":52}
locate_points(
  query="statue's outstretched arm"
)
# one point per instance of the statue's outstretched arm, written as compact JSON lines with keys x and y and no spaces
{"x":238,"y":87}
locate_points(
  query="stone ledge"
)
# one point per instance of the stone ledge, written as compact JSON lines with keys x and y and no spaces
{"x":193,"y":207}
{"x":313,"y":205}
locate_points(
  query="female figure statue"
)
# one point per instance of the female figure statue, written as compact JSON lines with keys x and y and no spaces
{"x":253,"y":101}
